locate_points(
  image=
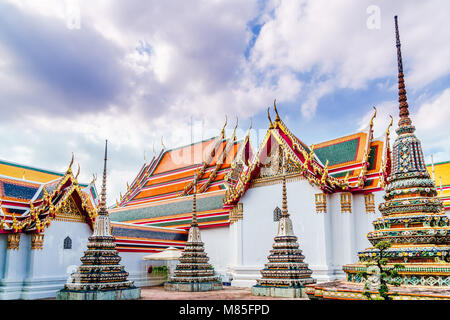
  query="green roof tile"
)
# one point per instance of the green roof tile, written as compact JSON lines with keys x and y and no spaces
{"x":203,"y":204}
{"x":338,"y":153}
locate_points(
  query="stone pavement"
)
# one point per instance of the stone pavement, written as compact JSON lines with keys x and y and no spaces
{"x":228,"y":293}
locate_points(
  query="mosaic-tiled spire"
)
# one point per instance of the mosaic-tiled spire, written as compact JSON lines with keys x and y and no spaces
{"x":102,"y":207}
{"x":194,"y":273}
{"x":100,"y":269}
{"x":412,"y":219}
{"x":404,"y":122}
{"x":286,"y":267}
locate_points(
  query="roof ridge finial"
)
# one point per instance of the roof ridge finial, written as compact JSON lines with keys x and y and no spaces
{"x":277,"y":117}
{"x":390,"y":125}
{"x":102,"y":209}
{"x":402,"y":99}
{"x":270,"y":120}
{"x":223,"y":128}
{"x":78,"y":172}
{"x":71,"y":163}
{"x":235,"y":127}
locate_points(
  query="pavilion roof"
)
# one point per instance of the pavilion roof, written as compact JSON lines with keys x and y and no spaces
{"x":28,"y":206}
{"x":353,"y":163}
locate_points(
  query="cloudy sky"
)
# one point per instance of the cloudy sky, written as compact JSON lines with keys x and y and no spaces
{"x":76,"y":72}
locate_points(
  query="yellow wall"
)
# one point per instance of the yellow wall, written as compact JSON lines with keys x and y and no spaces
{"x":442,"y":178}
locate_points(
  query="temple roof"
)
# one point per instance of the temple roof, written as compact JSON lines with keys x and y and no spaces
{"x":353,"y":163}
{"x":20,"y":171}
{"x":161,"y":193}
{"x":28,"y":204}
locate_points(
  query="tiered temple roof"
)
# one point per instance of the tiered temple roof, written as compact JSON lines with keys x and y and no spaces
{"x":161,"y":193}
{"x":30,"y":198}
{"x":355,"y":163}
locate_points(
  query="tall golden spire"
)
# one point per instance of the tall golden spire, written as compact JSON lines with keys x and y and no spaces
{"x":404,"y":121}
{"x":102,"y":209}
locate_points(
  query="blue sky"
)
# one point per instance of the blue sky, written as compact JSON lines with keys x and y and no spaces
{"x":74,"y":73}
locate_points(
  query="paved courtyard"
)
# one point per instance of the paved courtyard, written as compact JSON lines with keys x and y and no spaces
{"x":228,"y":293}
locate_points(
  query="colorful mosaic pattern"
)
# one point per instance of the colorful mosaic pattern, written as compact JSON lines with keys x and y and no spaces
{"x":412,"y":219}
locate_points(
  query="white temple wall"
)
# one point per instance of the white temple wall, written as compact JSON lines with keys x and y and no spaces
{"x":14,"y":268}
{"x":218,"y":247}
{"x":350,"y":229}
{"x":259,"y":229}
{"x":364,"y":221}
{"x":48,"y":269}
{"x":342,"y":233}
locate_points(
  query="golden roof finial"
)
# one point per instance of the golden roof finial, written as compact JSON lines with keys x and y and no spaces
{"x":235,"y":127}
{"x":390,"y":125}
{"x":277,"y":118}
{"x":373,"y":117}
{"x":223,"y":128}
{"x":251,"y":124}
{"x":270,"y":120}
{"x":71,"y":163}
{"x":78,"y":172}
{"x":162,"y":143}
{"x":94,"y":178}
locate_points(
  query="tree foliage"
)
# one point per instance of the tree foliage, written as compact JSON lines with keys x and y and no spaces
{"x":388,"y":274}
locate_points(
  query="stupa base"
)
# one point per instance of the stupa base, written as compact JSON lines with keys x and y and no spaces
{"x":193,"y":286}
{"x":119,"y":294}
{"x":344,"y":290}
{"x":279,"y":292}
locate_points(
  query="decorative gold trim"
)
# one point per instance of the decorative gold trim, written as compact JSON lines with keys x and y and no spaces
{"x":69,"y":212}
{"x":37,"y":241}
{"x":346,"y":202}
{"x":369,"y":200}
{"x":13,"y":241}
{"x":321,"y":202}
{"x":266,"y":181}
{"x":237,"y":213}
